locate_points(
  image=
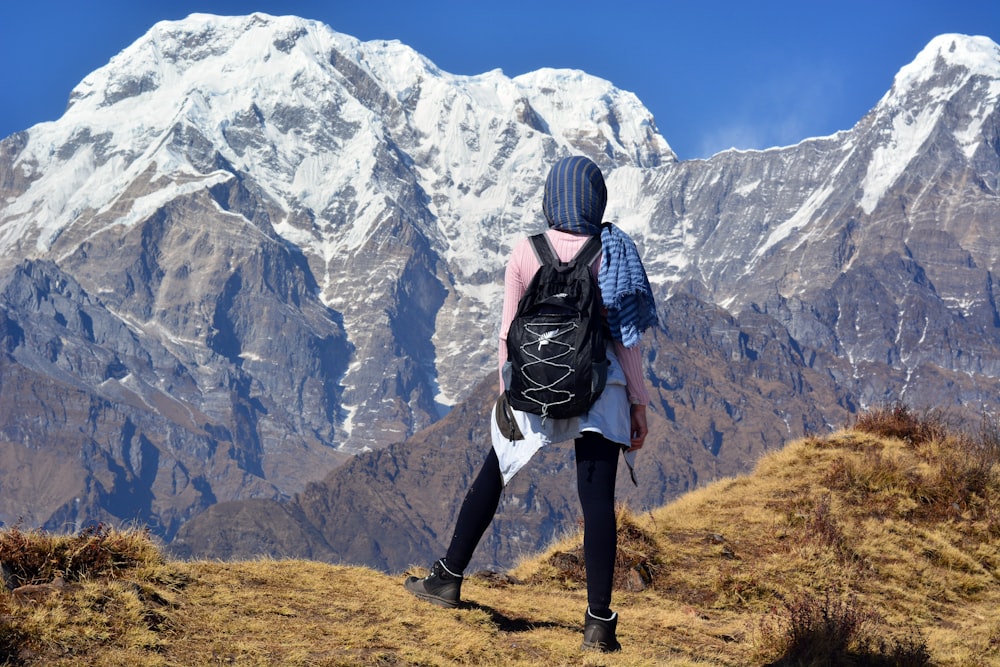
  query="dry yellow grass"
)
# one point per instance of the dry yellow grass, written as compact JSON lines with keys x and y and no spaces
{"x":901,"y":538}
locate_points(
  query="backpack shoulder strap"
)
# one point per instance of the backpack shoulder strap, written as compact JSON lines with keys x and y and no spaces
{"x":544,"y":251}
{"x":546,"y":254}
{"x":588,"y":253}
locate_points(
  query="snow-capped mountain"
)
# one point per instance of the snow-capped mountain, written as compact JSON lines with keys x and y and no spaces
{"x":253,"y":247}
{"x":873,"y":242}
{"x":341,"y":149}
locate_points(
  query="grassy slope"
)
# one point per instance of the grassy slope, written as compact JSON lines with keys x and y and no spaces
{"x":896,"y":539}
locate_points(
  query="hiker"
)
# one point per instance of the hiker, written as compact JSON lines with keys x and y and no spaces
{"x":574,"y":201}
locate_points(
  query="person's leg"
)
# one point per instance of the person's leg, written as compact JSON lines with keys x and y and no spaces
{"x":480,"y":504}
{"x":596,"y":471}
{"x":443,"y":585}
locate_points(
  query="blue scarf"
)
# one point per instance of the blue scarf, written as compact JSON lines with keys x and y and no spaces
{"x":574,"y":201}
{"x":625,"y":287}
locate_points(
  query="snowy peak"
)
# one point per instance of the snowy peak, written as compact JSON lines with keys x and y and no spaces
{"x":306,"y":110}
{"x":943,"y":68}
{"x":172,"y":48}
{"x":978,"y":55}
{"x":951,"y":88}
{"x":233,"y":62}
{"x":612,"y":113}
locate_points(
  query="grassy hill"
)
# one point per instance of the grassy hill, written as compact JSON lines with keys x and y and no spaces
{"x":876,"y":545}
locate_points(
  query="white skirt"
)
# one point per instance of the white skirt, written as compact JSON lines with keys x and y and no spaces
{"x":609,"y":416}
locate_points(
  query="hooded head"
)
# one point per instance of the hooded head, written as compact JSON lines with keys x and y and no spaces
{"x":575,"y":196}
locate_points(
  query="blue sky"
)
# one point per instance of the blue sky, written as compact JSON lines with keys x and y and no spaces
{"x":714,"y":74}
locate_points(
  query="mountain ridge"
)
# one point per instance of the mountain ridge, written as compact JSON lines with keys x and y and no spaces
{"x":273,"y":274}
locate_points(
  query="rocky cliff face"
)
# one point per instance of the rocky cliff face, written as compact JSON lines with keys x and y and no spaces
{"x":254,"y":248}
{"x":871,"y":242}
{"x":724,"y":392}
{"x":281,"y":247}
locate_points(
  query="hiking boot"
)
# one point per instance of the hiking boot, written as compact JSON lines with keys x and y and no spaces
{"x":599,"y":633}
{"x":441,"y":587}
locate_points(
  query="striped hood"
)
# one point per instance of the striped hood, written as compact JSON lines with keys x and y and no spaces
{"x":575,"y":196}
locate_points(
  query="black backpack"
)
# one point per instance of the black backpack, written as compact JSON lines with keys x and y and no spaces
{"x":556,"y":342}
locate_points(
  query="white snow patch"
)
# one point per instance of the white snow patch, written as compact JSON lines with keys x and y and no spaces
{"x":799,"y":220}
{"x":971,"y":136}
{"x":888,"y":162}
{"x":747,"y":188}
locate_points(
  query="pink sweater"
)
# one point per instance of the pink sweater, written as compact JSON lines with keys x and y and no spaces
{"x":522,"y":267}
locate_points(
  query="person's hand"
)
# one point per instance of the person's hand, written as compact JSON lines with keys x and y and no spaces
{"x":637,"y":414}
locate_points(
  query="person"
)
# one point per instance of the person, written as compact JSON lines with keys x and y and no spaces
{"x":574,"y":200}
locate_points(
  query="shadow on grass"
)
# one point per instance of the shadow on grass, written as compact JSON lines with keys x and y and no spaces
{"x":505,"y":623}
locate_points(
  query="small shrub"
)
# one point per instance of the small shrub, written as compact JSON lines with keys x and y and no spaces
{"x":825,"y":628}
{"x":961,"y":468}
{"x":909,"y":651}
{"x":963,"y":474}
{"x":36,"y":557}
{"x":988,"y":443}
{"x":956,"y":480}
{"x":982,"y":454}
{"x":837,"y":631}
{"x":897,"y":420}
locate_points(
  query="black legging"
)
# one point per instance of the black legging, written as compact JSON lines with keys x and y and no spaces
{"x":596,"y":470}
